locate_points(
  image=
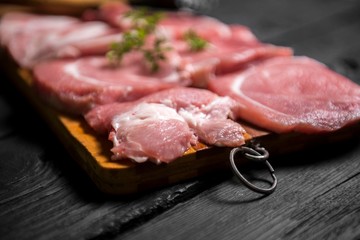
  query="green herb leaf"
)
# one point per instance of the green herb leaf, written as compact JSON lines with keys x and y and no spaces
{"x":156,"y":54}
{"x":144,"y":23}
{"x":195,"y":42}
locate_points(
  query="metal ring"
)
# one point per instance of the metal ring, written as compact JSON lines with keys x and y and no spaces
{"x":244,"y":180}
{"x":257,"y":153}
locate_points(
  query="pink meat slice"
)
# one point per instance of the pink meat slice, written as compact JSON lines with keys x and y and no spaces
{"x":150,"y":131}
{"x":77,"y":85}
{"x":33,"y":38}
{"x":111,"y":12}
{"x":15,"y":23}
{"x":292,"y":94}
{"x":224,"y":56}
{"x":176,"y":24}
{"x":95,"y":46}
{"x":205,"y":113}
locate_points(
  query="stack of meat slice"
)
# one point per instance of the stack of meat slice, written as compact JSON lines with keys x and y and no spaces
{"x":268,"y":86}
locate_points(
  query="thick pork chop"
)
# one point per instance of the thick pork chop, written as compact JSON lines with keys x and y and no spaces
{"x":80,"y":84}
{"x":292,"y":94}
{"x":150,"y":131}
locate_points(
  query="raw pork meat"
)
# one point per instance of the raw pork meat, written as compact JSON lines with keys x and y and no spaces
{"x":111,"y":12}
{"x":224,"y":56}
{"x":37,"y":38}
{"x":230,"y":47}
{"x":15,"y":23}
{"x":80,"y":84}
{"x":150,"y":131}
{"x":32,"y":38}
{"x":206,"y":114}
{"x":292,"y":94}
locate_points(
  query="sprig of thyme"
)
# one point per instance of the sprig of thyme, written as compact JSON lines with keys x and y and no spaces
{"x":132,"y":40}
{"x":144,"y":24}
{"x":156,"y":54}
{"x":195,"y":42}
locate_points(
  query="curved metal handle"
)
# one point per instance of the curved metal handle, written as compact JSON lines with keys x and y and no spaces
{"x":254,"y":153}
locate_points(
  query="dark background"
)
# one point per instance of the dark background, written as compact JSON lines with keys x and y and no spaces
{"x":45,"y":195}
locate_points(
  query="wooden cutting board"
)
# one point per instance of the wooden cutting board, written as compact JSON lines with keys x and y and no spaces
{"x":92,"y":151}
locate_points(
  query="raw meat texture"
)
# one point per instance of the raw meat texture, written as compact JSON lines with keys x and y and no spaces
{"x":205,"y":113}
{"x":94,"y":46}
{"x":78,"y":85}
{"x":177,"y":98}
{"x":100,"y":117}
{"x":224,"y":56}
{"x":111,"y":12}
{"x":221,"y":57}
{"x":40,"y":38}
{"x":211,"y":122}
{"x":292,"y":94}
{"x":230,"y":46}
{"x":235,"y":48}
{"x":150,"y":131}
{"x":14,"y":23}
{"x":176,"y":24}
{"x":32,"y":38}
{"x":61,"y":44}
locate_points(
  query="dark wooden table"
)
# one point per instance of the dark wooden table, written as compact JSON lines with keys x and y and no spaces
{"x":45,"y":195}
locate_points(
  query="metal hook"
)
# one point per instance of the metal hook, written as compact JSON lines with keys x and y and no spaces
{"x":255,"y":153}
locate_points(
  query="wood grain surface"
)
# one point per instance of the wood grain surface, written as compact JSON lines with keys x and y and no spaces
{"x":45,"y":195}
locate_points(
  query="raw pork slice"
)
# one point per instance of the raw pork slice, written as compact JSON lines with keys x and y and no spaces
{"x":229,"y":47}
{"x":111,"y":12}
{"x":32,"y":38}
{"x":150,"y":131}
{"x":206,"y":114}
{"x":224,"y":56}
{"x":176,"y":24}
{"x":80,"y":84}
{"x":292,"y":94}
{"x":15,"y":23}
